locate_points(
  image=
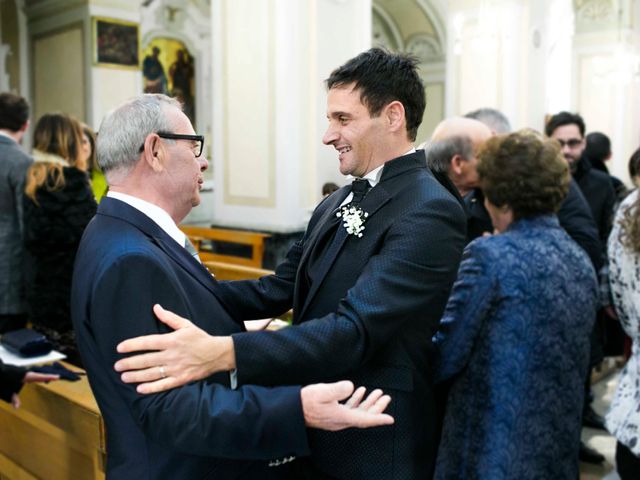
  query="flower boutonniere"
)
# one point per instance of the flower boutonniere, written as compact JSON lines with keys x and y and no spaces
{"x":353,"y":218}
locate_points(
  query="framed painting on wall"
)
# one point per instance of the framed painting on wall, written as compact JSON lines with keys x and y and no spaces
{"x":168,"y":67}
{"x":116,"y":43}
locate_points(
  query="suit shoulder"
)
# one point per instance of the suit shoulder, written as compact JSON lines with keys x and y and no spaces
{"x":110,"y":239}
{"x":16,"y":158}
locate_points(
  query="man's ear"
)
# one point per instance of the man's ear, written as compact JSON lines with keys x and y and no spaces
{"x":456,"y":164}
{"x":154,"y":153}
{"x":24,"y":126}
{"x":394,"y":113}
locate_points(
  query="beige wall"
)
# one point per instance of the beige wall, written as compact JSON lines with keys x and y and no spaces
{"x":58,"y":72}
{"x":249,"y":91}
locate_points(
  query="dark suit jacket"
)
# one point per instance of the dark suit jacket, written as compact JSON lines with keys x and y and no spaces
{"x":124,"y":265}
{"x":598,"y":191}
{"x":369,"y":317}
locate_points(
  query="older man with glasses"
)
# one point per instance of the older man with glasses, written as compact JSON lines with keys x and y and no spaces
{"x":132,"y":256}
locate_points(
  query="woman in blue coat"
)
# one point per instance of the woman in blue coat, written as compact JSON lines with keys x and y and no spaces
{"x":514,"y":339}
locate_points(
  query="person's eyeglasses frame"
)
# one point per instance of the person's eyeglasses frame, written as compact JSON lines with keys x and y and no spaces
{"x":180,"y":136}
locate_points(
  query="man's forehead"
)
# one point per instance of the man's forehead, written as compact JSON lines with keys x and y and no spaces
{"x":180,"y":121}
{"x":567,"y":130}
{"x":461,"y":126}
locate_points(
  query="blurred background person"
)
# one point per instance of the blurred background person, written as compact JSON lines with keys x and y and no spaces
{"x":58,"y":205}
{"x":514,"y":339}
{"x":492,"y":118}
{"x":98,"y":181}
{"x":634,"y":168}
{"x":598,"y":151}
{"x":328,"y":188}
{"x":623,"y":417}
{"x":14,"y":162}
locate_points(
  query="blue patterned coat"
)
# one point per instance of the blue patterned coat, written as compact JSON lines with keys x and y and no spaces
{"x":514,"y":342}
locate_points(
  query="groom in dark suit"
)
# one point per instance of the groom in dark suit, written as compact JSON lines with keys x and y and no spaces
{"x":133,"y":255}
{"x":368,"y":283}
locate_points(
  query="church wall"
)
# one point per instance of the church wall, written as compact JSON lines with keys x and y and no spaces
{"x":58,"y":66}
{"x":269,"y":62}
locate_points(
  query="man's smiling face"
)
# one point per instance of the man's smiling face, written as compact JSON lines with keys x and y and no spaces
{"x":353,"y":132}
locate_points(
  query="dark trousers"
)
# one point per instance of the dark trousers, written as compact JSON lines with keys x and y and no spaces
{"x":12,"y":322}
{"x":627,"y":464}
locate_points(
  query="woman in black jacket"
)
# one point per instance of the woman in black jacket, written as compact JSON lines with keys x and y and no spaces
{"x":59,"y":203}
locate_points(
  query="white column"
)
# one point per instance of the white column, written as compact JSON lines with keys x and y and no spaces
{"x":269,"y":60}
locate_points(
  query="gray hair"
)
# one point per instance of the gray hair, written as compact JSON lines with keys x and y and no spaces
{"x":492,"y":118}
{"x":125,"y":129}
{"x":440,"y":153}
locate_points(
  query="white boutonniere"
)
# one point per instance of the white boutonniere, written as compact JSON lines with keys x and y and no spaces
{"x":353,"y":218}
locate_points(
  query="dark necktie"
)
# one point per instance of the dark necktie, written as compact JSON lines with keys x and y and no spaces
{"x":333,"y":233}
{"x":359,"y":188}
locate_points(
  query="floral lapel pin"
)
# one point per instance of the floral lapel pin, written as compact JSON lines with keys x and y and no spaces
{"x":353,"y":219}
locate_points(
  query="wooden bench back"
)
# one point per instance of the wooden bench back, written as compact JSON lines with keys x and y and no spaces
{"x":230,"y":271}
{"x":255,"y":240}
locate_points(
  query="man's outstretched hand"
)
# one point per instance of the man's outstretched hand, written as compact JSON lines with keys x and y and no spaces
{"x":322,"y":408}
{"x":174,"y":359}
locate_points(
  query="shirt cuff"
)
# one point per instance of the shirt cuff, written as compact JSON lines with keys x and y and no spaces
{"x":233,"y":379}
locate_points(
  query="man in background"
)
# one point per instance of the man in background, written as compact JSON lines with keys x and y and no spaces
{"x":14,"y":120}
{"x":492,"y":118}
{"x":568,"y":129}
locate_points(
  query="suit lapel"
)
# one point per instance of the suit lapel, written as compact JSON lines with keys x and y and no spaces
{"x":325,"y":222}
{"x":382,"y":193}
{"x":374,"y":200}
{"x":123,"y":211}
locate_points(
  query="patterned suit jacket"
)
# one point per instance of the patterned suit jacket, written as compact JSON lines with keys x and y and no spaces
{"x":13,"y":169}
{"x":514,"y":340}
{"x":369,"y":314}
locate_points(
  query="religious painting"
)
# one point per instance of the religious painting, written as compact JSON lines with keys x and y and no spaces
{"x":168,"y":67}
{"x":115,"y":43}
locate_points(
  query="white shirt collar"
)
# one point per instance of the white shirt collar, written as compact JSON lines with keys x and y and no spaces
{"x":374,"y":175}
{"x":154,"y":212}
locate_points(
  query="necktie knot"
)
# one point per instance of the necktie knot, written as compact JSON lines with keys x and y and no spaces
{"x":359,"y":188}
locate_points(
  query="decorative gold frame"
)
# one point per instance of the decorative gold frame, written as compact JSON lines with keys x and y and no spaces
{"x":130,"y":56}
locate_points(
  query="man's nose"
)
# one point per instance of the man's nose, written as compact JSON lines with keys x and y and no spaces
{"x":330,"y":136}
{"x":204,"y":163}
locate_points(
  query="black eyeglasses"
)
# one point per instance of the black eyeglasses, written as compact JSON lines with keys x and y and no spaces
{"x":197,"y":139}
{"x":571,"y":143}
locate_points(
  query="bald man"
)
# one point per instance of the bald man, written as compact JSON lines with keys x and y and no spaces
{"x":453,"y":151}
{"x":452,"y":156}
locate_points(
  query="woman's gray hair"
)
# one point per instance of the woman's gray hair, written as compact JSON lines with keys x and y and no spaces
{"x":125,"y":129}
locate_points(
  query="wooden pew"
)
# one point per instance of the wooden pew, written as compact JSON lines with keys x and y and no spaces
{"x":200,"y":235}
{"x":57,"y":433}
{"x":231,"y":271}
